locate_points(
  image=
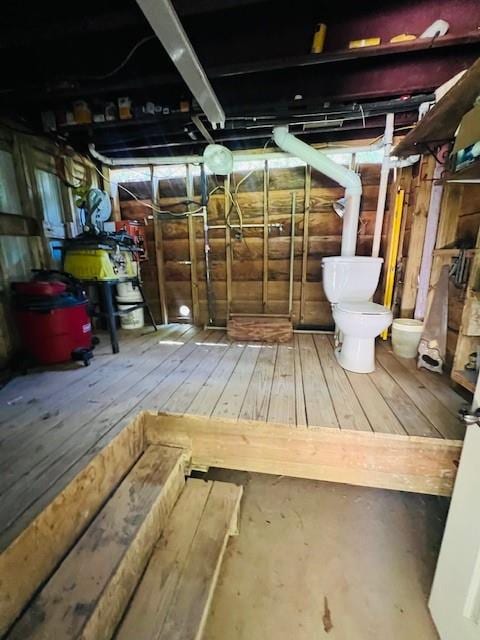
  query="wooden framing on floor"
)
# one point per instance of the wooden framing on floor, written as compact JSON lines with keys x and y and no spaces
{"x":387,"y":461}
{"x":69,"y":435}
{"x":390,"y":461}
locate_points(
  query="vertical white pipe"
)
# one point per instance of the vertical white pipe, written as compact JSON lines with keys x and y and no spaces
{"x":429,"y":240}
{"x":382,"y":191}
{"x":345,"y":177}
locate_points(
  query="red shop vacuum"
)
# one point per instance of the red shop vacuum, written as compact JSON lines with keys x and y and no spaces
{"x":52,"y":318}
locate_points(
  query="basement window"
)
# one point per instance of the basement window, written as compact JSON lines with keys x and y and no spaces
{"x":9,"y":193}
{"x":370,"y":157}
{"x":50,"y":192}
{"x":139,"y":174}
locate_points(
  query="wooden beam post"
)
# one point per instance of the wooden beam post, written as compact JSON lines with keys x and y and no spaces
{"x":112,"y":187}
{"x":292,"y":254}
{"x":306,"y":218}
{"x":265,"y":238}
{"x":157,"y":229}
{"x":192,"y":245}
{"x":417,"y":236}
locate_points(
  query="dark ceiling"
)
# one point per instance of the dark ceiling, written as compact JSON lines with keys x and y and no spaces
{"x":256,"y":54}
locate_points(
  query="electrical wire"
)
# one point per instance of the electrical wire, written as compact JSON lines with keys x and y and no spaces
{"x":125,"y":61}
{"x":432,"y":153}
{"x":181,"y":214}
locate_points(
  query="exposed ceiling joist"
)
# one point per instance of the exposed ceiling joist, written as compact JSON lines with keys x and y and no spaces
{"x":165,"y":23}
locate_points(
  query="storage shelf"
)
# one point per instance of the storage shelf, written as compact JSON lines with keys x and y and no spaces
{"x":467,"y":174}
{"x":467,"y":379}
{"x":440,"y":123}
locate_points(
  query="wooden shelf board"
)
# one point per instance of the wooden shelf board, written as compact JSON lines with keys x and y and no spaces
{"x":467,"y":379}
{"x":440,"y":123}
{"x":342,"y":55}
{"x":471,"y":173}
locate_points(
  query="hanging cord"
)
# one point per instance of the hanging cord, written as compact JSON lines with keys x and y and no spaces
{"x":124,"y":62}
{"x":182,"y":214}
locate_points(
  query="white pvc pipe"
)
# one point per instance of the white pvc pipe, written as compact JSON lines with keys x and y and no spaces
{"x":345,"y":177}
{"x":382,"y":190}
{"x":198,"y":159}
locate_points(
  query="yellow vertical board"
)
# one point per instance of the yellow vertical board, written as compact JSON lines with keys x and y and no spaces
{"x":392,"y":258}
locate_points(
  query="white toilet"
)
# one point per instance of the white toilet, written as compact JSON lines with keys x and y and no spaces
{"x":349,"y":283}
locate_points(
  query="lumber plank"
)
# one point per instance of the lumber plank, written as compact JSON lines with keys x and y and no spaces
{"x":260,"y":329}
{"x":75,"y":408}
{"x":412,"y":419}
{"x":300,"y":410}
{"x":207,"y":397}
{"x":417,"y":235}
{"x":427,"y":403}
{"x":36,"y":542}
{"x":180,"y":387}
{"x":33,"y":393}
{"x":86,"y":596}
{"x":348,"y":409}
{"x":257,"y":398}
{"x":318,"y":403}
{"x":364,"y":458}
{"x":283,"y":403}
{"x":230,"y":402}
{"x":439,"y":385}
{"x":377,"y":410}
{"x":66,"y":445}
{"x":173,"y":598}
{"x":381,"y":417}
{"x":209,"y":353}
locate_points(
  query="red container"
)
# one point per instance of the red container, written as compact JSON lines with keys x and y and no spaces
{"x":50,"y":335}
{"x":40,"y":288}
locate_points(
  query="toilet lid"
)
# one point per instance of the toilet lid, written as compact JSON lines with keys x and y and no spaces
{"x":364,"y":308}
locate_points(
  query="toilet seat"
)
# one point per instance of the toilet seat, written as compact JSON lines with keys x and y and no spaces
{"x":363,"y":308}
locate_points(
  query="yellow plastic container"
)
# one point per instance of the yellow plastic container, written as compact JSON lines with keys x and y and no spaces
{"x":98,"y":264}
{"x":319,"y":36}
{"x":365,"y":42}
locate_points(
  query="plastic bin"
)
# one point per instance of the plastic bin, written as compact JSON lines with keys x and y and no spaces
{"x":134,"y":319}
{"x":406,"y":334}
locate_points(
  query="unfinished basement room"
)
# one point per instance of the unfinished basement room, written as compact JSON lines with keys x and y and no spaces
{"x":240,"y":320}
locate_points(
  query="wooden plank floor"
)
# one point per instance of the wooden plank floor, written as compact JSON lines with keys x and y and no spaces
{"x":51,"y":422}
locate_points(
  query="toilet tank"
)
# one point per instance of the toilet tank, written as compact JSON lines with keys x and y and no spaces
{"x":350,"y":277}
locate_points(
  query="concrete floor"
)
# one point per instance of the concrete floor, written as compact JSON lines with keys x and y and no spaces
{"x":320,"y":560}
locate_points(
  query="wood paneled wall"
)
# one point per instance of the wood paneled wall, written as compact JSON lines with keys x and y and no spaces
{"x":23,"y":241}
{"x":252,"y":272}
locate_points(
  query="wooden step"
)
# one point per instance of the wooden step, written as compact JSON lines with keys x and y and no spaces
{"x":260,"y":328}
{"x":86,"y":597}
{"x":173,"y":598}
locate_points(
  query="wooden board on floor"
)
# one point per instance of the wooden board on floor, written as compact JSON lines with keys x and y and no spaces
{"x":424,"y":399}
{"x":260,"y":329}
{"x":318,"y":402}
{"x":88,"y":593}
{"x":173,"y":597}
{"x":388,"y":461}
{"x":257,"y":399}
{"x":283,"y":407}
{"x":349,"y":411}
{"x":28,"y":558}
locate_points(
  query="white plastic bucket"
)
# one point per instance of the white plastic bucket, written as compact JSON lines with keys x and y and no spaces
{"x":128,"y":291}
{"x":134,"y":319}
{"x":406,"y":334}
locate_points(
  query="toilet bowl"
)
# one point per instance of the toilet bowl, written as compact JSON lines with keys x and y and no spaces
{"x":349,"y":283}
{"x":359,"y":323}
